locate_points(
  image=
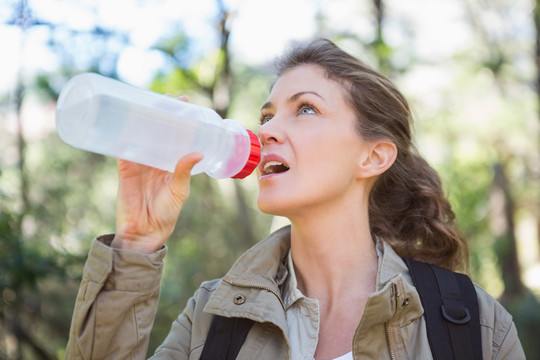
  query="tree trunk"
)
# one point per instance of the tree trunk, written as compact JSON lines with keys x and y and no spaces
{"x":378,"y":44}
{"x":21,"y":147}
{"x":503,"y":228}
{"x":537,"y":58}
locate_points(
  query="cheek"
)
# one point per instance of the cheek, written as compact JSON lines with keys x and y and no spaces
{"x":341,"y":161}
{"x":335,"y":151}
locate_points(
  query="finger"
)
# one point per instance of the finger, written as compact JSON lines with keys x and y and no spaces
{"x":182,"y":171}
{"x":123,"y":166}
{"x":127,"y":169}
{"x":121,"y":163}
{"x":183,"y":98}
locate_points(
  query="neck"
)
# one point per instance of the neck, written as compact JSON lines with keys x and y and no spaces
{"x":334,"y":256}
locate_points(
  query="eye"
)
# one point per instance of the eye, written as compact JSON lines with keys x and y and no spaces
{"x":306,"y":109}
{"x":265,"y":118}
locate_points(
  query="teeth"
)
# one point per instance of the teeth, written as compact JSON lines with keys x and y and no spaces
{"x":272,"y":163}
{"x":272,"y":167}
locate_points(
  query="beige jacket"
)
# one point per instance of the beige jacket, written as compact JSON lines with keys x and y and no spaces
{"x":118,"y":297}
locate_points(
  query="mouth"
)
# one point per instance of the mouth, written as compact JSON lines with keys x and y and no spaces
{"x":274,"y":167}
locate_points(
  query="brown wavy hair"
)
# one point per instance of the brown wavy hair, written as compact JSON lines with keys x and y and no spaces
{"x":407,"y":205}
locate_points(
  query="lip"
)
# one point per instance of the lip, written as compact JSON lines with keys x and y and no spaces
{"x":267,"y":158}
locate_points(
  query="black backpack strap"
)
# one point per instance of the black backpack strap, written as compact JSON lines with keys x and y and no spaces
{"x":225,"y":338}
{"x":451,"y":311}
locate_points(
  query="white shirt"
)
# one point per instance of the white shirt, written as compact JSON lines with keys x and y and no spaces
{"x":303,"y":335}
{"x":302,"y":317}
{"x":347,"y":356}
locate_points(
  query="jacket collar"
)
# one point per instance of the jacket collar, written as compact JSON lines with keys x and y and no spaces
{"x":390,"y":265}
{"x":265,"y":263}
{"x":251,"y":287}
{"x":264,"y":267}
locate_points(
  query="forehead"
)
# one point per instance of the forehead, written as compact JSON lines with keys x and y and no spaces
{"x":306,"y":77}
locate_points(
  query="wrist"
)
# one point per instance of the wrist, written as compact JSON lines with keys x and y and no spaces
{"x":136,"y":245}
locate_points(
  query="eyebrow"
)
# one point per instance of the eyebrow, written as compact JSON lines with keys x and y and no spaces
{"x":293,"y":98}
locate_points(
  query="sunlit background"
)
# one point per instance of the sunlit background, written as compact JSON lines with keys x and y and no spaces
{"x":469,"y":69}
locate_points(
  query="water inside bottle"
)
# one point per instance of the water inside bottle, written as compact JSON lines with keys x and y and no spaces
{"x":138,"y":133}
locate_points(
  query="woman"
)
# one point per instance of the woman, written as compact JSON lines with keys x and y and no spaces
{"x":339,"y":163}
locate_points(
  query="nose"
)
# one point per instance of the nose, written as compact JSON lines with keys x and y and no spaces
{"x":270,"y":132}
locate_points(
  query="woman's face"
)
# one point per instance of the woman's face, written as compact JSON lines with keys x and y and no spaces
{"x":311,"y":148}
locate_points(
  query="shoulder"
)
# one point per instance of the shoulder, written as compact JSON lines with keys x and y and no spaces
{"x":259,"y":264}
{"x":492,"y":313}
{"x":499,"y":334}
{"x":210,"y":286}
{"x":203,"y":293}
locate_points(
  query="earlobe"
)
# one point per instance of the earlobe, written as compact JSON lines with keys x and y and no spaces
{"x":379,"y":156}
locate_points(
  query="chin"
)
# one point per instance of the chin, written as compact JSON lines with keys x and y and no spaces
{"x":284,"y":207}
{"x":267,"y":208}
{"x":271,"y":206}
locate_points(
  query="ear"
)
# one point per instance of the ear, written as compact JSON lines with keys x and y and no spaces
{"x":377,"y":158}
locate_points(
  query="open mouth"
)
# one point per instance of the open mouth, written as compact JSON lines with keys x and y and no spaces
{"x":274,"y":167}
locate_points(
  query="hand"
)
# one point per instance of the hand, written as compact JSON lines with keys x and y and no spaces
{"x":149,"y":203}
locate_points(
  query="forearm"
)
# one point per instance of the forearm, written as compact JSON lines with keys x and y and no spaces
{"x":116,"y":304}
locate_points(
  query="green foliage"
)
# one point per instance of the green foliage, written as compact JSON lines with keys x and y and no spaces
{"x":24,"y":267}
{"x":43,"y":243}
{"x":468,"y":182}
{"x":251,"y":88}
{"x":176,"y":83}
{"x":526,"y":316}
{"x":177,"y":48}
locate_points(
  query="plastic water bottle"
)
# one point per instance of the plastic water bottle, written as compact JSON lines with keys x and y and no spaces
{"x":105,"y":116}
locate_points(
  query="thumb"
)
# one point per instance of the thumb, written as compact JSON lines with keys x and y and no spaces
{"x":182,"y":171}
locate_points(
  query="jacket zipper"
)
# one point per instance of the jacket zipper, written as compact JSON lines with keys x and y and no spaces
{"x":267,"y":289}
{"x":388,"y":342}
{"x":387,"y":331}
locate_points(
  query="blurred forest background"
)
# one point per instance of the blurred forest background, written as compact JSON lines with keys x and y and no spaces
{"x":469,"y":68}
